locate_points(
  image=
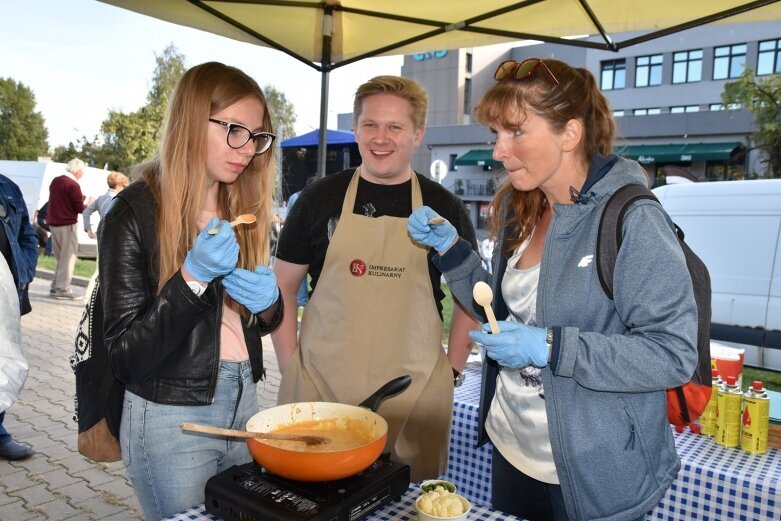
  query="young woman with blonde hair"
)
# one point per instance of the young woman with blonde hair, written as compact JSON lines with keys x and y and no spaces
{"x":184,"y":309}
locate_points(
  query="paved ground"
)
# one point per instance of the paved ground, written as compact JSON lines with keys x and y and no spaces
{"x":58,"y":483}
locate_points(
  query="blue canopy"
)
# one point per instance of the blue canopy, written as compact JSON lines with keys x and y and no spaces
{"x":333,"y":137}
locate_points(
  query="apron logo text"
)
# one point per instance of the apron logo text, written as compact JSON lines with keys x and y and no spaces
{"x":394,"y":272}
{"x":358,"y":268}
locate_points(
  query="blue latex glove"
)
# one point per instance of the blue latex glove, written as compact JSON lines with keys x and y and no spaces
{"x":255,"y":290}
{"x":437,"y":236}
{"x":213,"y":255}
{"x":516,"y":345}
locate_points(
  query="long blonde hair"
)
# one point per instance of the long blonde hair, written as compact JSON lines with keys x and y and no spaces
{"x":177,"y":176}
{"x":559,"y":94}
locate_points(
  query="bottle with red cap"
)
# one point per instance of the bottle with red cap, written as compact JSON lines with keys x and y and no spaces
{"x":755,"y":420}
{"x":708,"y":418}
{"x":728,"y":413}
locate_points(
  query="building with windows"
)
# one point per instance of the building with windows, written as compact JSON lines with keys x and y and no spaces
{"x":665,"y":94}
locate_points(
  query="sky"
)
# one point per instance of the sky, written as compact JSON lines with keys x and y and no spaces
{"x":82,"y":58}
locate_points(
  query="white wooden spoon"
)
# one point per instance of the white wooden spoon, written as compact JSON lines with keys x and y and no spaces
{"x":483,"y":295}
{"x":245,"y":218}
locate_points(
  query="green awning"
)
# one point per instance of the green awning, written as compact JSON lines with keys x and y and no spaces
{"x":480,"y":157}
{"x":680,"y":152}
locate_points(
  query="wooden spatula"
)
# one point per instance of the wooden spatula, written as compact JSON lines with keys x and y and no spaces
{"x":208,"y":429}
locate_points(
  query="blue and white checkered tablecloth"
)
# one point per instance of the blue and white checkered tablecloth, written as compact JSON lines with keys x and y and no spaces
{"x":717,"y":483}
{"x":403,"y":510}
{"x":714,"y":484}
{"x":469,"y":466}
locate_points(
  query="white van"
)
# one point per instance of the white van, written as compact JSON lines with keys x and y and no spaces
{"x":34,"y":178}
{"x":735,"y":228}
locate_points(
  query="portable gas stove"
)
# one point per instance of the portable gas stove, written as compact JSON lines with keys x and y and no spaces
{"x":250,"y":493}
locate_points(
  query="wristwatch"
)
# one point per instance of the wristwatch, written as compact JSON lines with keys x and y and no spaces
{"x":196,"y":287}
{"x":458,"y":378}
{"x":549,"y":342}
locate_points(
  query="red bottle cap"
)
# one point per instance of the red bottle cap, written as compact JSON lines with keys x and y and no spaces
{"x":731,"y":380}
{"x":714,"y":372}
{"x":757,"y":385}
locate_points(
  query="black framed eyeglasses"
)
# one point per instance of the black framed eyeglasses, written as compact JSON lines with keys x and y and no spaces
{"x":514,"y":70}
{"x":239,"y":135}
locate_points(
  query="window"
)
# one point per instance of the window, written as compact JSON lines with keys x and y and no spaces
{"x":483,"y":216}
{"x":769,"y":60}
{"x":731,"y":106}
{"x":618,"y":113}
{"x":467,"y":95}
{"x":687,"y":66}
{"x":613,"y":74}
{"x":687,"y":108}
{"x":453,"y":165}
{"x":646,"y":112}
{"x":729,"y":61}
{"x":468,"y":63}
{"x":648,"y":70}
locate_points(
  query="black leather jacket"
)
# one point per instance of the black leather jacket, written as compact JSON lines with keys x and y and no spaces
{"x":164,"y":347}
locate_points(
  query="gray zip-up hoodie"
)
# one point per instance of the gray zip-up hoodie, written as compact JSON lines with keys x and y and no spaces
{"x":611,"y":359}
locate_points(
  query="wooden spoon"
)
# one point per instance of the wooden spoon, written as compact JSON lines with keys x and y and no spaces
{"x":309,"y":440}
{"x":437,"y":220}
{"x":483,"y":295}
{"x":245,"y":218}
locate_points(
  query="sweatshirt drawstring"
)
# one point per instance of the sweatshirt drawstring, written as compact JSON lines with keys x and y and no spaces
{"x":630,"y":444}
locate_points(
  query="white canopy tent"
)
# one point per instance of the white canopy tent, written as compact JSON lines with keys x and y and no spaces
{"x":327,"y":34}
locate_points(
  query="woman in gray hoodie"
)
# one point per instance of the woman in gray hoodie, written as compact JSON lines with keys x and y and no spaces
{"x":574,"y":383}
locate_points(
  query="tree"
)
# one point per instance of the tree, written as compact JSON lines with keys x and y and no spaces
{"x":128,"y":139}
{"x":91,"y":152}
{"x":23,"y":134}
{"x":283,"y":119}
{"x":283,"y":114}
{"x":132,"y":138}
{"x":761,"y":97}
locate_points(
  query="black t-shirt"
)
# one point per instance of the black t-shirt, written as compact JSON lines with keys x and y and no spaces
{"x":311,"y":223}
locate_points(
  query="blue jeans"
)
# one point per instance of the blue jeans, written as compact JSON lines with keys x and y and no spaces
{"x":169,"y":467}
{"x":302,"y":297}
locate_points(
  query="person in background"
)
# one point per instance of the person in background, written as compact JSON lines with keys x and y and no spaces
{"x":42,"y":230}
{"x":376,"y":303}
{"x":183,"y":318}
{"x":487,"y":251}
{"x":117,"y":181}
{"x":273,"y":235}
{"x":302,"y":296}
{"x":19,"y":248}
{"x":66,"y":202}
{"x":574,"y":383}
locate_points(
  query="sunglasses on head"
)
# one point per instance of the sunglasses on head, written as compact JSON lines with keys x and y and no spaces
{"x":513,"y":70}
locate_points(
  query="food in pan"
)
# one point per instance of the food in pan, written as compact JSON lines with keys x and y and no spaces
{"x":343,"y":433}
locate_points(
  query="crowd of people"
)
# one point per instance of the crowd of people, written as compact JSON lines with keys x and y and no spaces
{"x":364,"y":250}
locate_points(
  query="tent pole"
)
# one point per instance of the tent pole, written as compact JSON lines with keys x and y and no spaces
{"x":321,"y":137}
{"x":322,"y":143}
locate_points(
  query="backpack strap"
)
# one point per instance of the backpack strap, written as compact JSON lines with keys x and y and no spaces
{"x":609,"y":235}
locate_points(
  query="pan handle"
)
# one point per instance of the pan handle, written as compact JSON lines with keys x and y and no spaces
{"x":391,"y":388}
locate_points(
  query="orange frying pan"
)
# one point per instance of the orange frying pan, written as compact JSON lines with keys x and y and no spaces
{"x":307,"y":464}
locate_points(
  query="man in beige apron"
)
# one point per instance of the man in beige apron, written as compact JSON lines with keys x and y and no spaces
{"x":372,"y":316}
